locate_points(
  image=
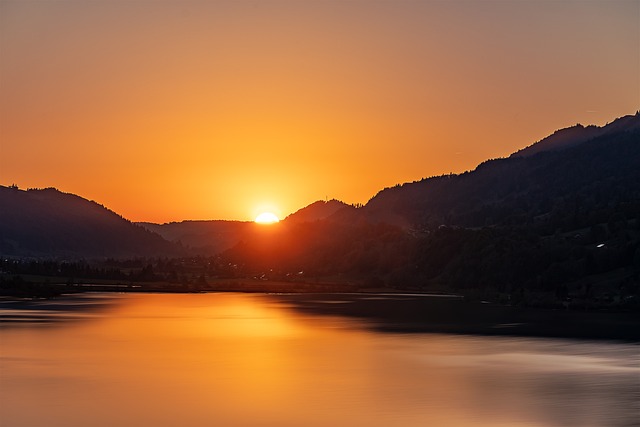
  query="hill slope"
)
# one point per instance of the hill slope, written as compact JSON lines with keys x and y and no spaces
{"x":49,"y":223}
{"x":317,"y":210}
{"x":552,"y":186}
{"x":578,"y":134}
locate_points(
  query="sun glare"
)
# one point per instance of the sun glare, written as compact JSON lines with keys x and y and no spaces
{"x":267,"y":218}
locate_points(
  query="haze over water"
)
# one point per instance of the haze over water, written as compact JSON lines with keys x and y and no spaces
{"x":251,"y":360}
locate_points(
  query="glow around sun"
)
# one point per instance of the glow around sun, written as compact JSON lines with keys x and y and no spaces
{"x":267,"y":218}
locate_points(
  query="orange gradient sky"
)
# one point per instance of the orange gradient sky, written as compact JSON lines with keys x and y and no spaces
{"x":171,"y":110}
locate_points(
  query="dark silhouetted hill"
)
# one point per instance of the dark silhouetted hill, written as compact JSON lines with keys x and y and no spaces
{"x":49,"y":223}
{"x":561,"y":188}
{"x":317,"y":211}
{"x":578,"y":134}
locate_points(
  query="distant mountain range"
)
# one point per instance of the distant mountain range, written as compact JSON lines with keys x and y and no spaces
{"x":575,"y":177}
{"x":207,"y":237}
{"x":216,"y":236}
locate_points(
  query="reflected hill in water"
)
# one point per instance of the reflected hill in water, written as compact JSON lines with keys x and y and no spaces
{"x":246,"y":360}
{"x":49,"y":311}
{"x":382,"y":312}
{"x":415,"y":313}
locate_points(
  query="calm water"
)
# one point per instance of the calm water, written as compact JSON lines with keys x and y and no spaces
{"x":249,"y":360}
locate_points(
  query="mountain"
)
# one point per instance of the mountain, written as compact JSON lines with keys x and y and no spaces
{"x":575,"y":178}
{"x":561,"y":186}
{"x":49,"y":223}
{"x":578,"y":134}
{"x":557,"y":227}
{"x":208,"y":237}
{"x":318,"y":210}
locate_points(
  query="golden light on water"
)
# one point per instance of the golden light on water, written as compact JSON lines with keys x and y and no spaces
{"x":246,"y":359}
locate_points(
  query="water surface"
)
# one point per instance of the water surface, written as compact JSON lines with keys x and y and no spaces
{"x":251,"y":360}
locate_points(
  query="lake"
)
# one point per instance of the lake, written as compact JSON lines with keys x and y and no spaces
{"x":231,"y":359}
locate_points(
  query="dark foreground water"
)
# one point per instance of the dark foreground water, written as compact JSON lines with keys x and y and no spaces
{"x":254,"y":360}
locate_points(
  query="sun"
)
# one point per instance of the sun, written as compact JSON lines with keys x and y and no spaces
{"x":267,"y":218}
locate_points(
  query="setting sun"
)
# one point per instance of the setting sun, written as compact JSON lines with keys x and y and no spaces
{"x":267,"y":218}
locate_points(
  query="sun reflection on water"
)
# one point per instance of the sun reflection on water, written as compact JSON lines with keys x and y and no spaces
{"x":246,"y":360}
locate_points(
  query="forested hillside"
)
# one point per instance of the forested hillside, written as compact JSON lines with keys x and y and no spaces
{"x":49,"y":223}
{"x":554,"y":189}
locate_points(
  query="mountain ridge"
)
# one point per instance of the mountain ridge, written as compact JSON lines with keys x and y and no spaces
{"x":48,"y":222}
{"x":498,"y":189}
{"x":578,"y":134}
{"x":317,"y":210}
{"x":572,"y":167}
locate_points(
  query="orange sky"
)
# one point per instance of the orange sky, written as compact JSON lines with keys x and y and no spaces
{"x":171,"y":110}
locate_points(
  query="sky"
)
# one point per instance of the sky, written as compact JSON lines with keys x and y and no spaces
{"x":171,"y":110}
